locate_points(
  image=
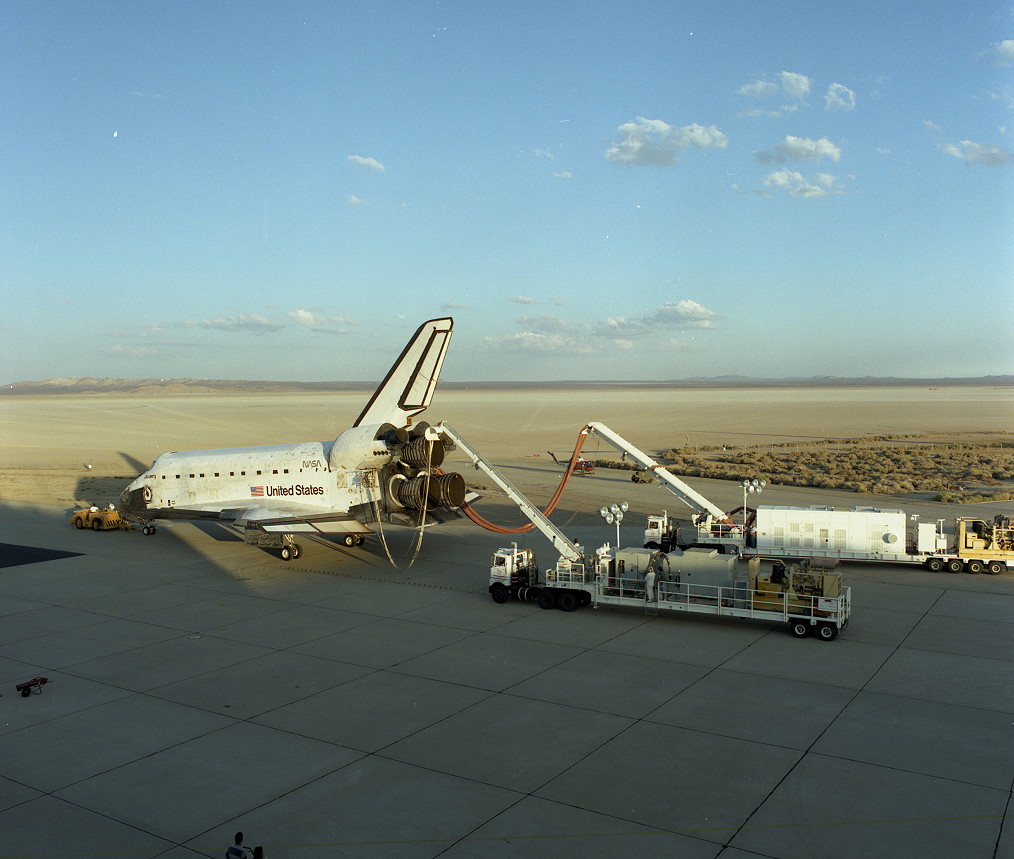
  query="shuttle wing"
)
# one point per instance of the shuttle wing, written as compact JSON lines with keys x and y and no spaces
{"x":409,"y":385}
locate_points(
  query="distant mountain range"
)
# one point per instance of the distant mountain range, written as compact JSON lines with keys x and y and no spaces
{"x":89,"y":385}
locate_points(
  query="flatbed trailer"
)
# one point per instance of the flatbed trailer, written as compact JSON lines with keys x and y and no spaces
{"x":806,"y":596}
{"x":824,"y":616}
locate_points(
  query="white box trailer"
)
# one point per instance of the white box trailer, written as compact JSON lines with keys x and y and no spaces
{"x":870,"y":534}
{"x":866,"y":531}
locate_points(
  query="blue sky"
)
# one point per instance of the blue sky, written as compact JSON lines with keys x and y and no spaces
{"x":645,"y":190}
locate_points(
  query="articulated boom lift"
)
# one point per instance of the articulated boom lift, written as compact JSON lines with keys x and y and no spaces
{"x":707,"y":517}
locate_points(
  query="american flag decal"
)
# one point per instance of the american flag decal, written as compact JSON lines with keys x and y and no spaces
{"x":256,"y":491}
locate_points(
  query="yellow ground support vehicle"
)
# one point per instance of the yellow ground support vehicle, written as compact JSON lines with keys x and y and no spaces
{"x":99,"y":519}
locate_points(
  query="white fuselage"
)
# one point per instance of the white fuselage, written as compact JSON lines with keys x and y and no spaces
{"x":222,"y":483}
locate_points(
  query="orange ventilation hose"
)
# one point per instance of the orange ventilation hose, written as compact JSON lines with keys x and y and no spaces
{"x":482,"y":522}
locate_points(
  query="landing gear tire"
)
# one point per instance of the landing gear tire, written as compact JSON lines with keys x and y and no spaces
{"x":799,"y":628}
{"x":349,"y":540}
{"x":360,"y":539}
{"x":996,"y":567}
{"x":547,"y":600}
{"x":148,"y":530}
{"x":935,"y":565}
{"x":827,"y":631}
{"x":566,"y":601}
{"x":500,"y":593}
{"x":955,"y":566}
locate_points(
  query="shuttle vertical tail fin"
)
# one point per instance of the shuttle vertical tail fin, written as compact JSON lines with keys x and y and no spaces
{"x":409,"y":385}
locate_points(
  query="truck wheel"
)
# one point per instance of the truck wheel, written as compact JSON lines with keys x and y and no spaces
{"x":996,"y":567}
{"x":547,"y":599}
{"x":827,"y":631}
{"x":566,"y":601}
{"x":955,"y":566}
{"x":78,"y":523}
{"x":935,"y":565}
{"x":96,"y":525}
{"x":500,"y":593}
{"x":799,"y":628}
{"x":975,"y":567}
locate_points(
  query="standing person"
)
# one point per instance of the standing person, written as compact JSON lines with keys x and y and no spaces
{"x":649,"y":585}
{"x":238,"y":851}
{"x":258,"y":852}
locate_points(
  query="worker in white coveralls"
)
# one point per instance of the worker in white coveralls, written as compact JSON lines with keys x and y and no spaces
{"x":649,"y":585}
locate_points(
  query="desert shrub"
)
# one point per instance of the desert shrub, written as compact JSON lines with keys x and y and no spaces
{"x":880,"y":468}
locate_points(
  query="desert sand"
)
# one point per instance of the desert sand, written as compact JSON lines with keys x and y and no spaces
{"x":47,"y":443}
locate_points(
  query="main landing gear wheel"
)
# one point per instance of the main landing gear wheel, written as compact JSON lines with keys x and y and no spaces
{"x":148,"y":530}
{"x":291,"y":552}
{"x":351,"y":540}
{"x":500,"y":593}
{"x":799,"y":628}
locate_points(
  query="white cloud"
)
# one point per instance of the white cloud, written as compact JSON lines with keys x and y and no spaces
{"x":548,"y":335}
{"x":758,"y":89}
{"x":564,"y":174}
{"x":840,"y":97}
{"x":522,"y":299}
{"x":932,"y":126}
{"x":1000,"y":53}
{"x":455,"y":305}
{"x":241,"y":322}
{"x":794,"y":85}
{"x":353,"y":200}
{"x":990,"y":154}
{"x":301,"y":316}
{"x":684,"y":314}
{"x":655,"y":143}
{"x":366,"y":164}
{"x":806,"y":149}
{"x":543,"y":153}
{"x":674,"y":315}
{"x":797,"y":185}
{"x":530,"y":341}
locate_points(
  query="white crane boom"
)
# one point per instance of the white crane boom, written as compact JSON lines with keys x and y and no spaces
{"x":565,"y":546}
{"x":681,"y":490}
